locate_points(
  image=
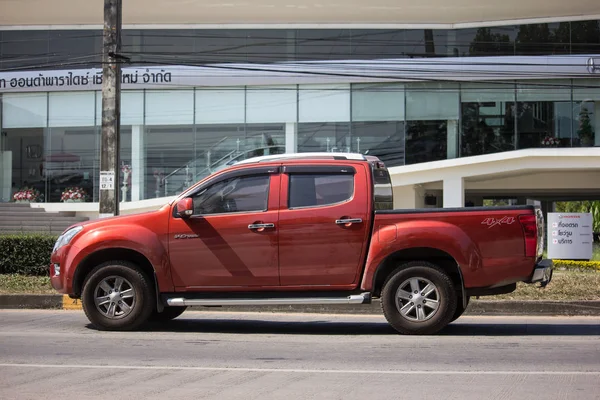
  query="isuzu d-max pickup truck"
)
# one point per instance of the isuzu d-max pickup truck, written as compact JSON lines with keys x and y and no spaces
{"x":298,"y":229}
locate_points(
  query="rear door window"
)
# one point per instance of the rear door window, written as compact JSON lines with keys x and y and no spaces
{"x":314,"y":190}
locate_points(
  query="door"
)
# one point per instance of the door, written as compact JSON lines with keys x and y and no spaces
{"x":231,"y":240}
{"x":323,"y":224}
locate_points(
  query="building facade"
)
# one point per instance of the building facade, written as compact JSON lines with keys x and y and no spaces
{"x":196,"y":100}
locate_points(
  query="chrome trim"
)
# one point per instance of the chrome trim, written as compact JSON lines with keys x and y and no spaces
{"x":348,"y":221}
{"x":352,"y":299}
{"x":261,"y":226}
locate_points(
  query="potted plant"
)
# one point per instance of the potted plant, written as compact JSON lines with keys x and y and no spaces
{"x":585,"y":131}
{"x":27,"y":195}
{"x":73,"y":195}
{"x":550,"y":141}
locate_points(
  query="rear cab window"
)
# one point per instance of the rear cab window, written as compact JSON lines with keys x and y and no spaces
{"x":315,"y":186}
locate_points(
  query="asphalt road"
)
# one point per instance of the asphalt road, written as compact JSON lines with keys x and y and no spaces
{"x":215,"y":355}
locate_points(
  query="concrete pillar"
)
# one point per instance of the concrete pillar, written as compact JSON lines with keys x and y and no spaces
{"x":454,"y":192}
{"x":452,"y":138}
{"x":138,"y":163}
{"x":291,"y":137}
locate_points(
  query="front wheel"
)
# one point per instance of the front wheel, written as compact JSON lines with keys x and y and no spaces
{"x":117,"y":295}
{"x":418,"y":298}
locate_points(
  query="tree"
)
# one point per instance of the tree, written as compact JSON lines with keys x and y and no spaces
{"x":582,"y":207}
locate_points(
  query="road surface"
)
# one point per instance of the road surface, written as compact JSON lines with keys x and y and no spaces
{"x":216,"y":355}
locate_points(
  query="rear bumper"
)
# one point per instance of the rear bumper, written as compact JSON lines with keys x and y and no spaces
{"x":542,"y":273}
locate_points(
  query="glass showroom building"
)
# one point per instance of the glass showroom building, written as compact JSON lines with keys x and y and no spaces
{"x":195,"y":100}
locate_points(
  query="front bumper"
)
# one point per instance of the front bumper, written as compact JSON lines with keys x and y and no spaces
{"x":542,"y":273}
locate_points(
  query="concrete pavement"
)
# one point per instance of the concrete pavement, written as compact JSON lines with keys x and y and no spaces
{"x":52,"y":354}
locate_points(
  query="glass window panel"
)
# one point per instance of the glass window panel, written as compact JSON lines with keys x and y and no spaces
{"x":24,"y":110}
{"x":22,"y":162}
{"x":487,"y":113}
{"x":24,"y":48}
{"x":72,"y":161}
{"x":220,"y":105}
{"x":324,"y":137}
{"x":585,"y":37}
{"x":324,"y":103}
{"x":71,"y":109}
{"x":169,"y":107}
{"x":132,"y":107}
{"x":383,"y":139}
{"x":493,"y":41}
{"x":322,"y":44}
{"x":271,"y":104}
{"x":377,"y":44}
{"x":377,"y":102}
{"x":168,"y":150}
{"x":489,"y":91}
{"x":313,"y":190}
{"x":544,"y":114}
{"x":432,"y":101}
{"x":586,"y":89}
{"x":541,"y":39}
{"x":548,"y":90}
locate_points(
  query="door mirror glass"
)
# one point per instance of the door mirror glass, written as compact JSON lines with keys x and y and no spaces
{"x":185,"y":207}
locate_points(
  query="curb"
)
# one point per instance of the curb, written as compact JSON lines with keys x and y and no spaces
{"x":476,"y":307}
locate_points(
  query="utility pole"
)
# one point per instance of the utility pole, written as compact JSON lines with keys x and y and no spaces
{"x":111,"y":109}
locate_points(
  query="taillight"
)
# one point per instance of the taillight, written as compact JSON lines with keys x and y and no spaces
{"x":529,"y":225}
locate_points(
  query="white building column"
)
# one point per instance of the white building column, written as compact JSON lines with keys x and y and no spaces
{"x":454,"y":192}
{"x":291,"y":137}
{"x":138,"y":163}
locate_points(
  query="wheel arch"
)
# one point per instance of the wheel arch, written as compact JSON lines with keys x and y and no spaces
{"x":433,"y":255}
{"x":100,"y":256}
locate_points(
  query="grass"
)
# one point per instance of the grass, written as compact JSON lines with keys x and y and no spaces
{"x":23,"y":284}
{"x":565,"y":285}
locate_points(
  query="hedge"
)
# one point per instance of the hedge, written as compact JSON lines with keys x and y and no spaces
{"x":578,"y":265}
{"x":27,"y":254}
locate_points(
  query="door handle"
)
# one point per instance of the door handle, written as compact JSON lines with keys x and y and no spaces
{"x":260,"y":227}
{"x":348,"y":221}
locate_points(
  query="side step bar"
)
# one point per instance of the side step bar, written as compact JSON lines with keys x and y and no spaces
{"x":362,"y":298}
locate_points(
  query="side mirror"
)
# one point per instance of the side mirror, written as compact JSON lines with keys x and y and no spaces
{"x":185,"y":207}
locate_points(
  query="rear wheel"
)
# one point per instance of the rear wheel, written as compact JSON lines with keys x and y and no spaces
{"x":117,"y":295}
{"x":167,"y":314}
{"x":418,"y":298}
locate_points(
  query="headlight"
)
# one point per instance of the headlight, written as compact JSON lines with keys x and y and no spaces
{"x":66,"y":237}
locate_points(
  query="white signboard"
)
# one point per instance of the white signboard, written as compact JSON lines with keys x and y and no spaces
{"x":570,"y":236}
{"x":107,"y":180}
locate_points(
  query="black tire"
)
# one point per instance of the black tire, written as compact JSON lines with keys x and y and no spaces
{"x":135,"y":283}
{"x":460,"y":309}
{"x":435,"y":320}
{"x":168,"y":314}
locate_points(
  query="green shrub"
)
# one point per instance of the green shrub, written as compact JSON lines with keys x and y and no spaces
{"x":27,"y":254}
{"x":577,"y":265}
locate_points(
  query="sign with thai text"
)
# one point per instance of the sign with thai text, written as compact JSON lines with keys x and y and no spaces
{"x":570,"y":236}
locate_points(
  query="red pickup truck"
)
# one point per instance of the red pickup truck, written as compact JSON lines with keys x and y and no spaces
{"x":298,"y":229}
